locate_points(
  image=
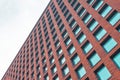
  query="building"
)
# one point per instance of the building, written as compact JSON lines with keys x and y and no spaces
{"x":72,"y":40}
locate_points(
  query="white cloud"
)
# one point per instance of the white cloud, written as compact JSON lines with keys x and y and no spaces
{"x":17,"y":18}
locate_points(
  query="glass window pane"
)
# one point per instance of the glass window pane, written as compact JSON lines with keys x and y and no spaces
{"x":87,"y":47}
{"x":80,"y":71}
{"x":62,"y":60}
{"x":114,"y":18}
{"x":65,"y":70}
{"x":92,"y":25}
{"x":105,"y":10}
{"x":71,"y":49}
{"x":87,"y":17}
{"x":75,"y":59}
{"x":109,"y":44}
{"x":97,"y":4}
{"x":67,"y":41}
{"x":81,"y":12}
{"x":118,"y":28}
{"x":116,"y":58}
{"x":90,"y":1}
{"x":103,"y":73}
{"x":94,"y":59}
{"x":76,"y":30}
{"x":100,"y":33}
{"x":81,"y":38}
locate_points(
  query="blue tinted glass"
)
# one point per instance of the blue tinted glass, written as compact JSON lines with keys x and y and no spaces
{"x":104,"y":74}
{"x":109,"y":44}
{"x":62,"y":60}
{"x":65,"y":70}
{"x":106,"y":11}
{"x":71,"y":49}
{"x":75,"y":59}
{"x":90,"y":1}
{"x":87,"y":18}
{"x":114,"y":19}
{"x":80,"y":71}
{"x":81,"y":38}
{"x":100,"y":33}
{"x":67,"y":41}
{"x":82,"y":12}
{"x":77,"y":30}
{"x":93,"y":25}
{"x":98,"y":5}
{"x":118,"y":28}
{"x":94,"y":59}
{"x":116,"y":59}
{"x":87,"y":47}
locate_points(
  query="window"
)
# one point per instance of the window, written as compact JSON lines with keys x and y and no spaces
{"x":118,"y":28}
{"x":86,"y":18}
{"x":56,"y":77}
{"x":65,"y":70}
{"x":73,"y":2}
{"x":92,"y":25}
{"x":76,"y":30}
{"x":80,"y":71}
{"x":81,"y":12}
{"x":69,"y":78}
{"x":53,"y":69}
{"x":97,"y":4}
{"x":46,"y":77}
{"x":75,"y":59}
{"x":62,"y":28}
{"x":57,"y":43}
{"x":87,"y":47}
{"x":103,"y":73}
{"x":69,"y":18}
{"x":72,"y":23}
{"x":99,"y":33}
{"x":77,"y":7}
{"x":94,"y":58}
{"x":108,"y":44}
{"x":116,"y":58}
{"x":52,"y":60}
{"x":81,"y":37}
{"x":64,"y":34}
{"x":67,"y":41}
{"x":90,"y":1}
{"x":71,"y":49}
{"x":62,"y":60}
{"x":114,"y":18}
{"x":45,"y":68}
{"x":105,"y":10}
{"x":59,"y":51}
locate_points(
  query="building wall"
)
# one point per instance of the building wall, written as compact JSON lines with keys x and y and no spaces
{"x":73,"y":39}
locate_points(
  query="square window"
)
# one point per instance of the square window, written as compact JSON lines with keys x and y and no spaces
{"x":62,"y":60}
{"x":118,"y":28}
{"x":97,"y":4}
{"x":72,"y":23}
{"x":116,"y":58}
{"x":81,"y":12}
{"x":77,"y":7}
{"x":75,"y":59}
{"x":90,"y":1}
{"x":80,"y":71}
{"x":100,"y":33}
{"x":87,"y":17}
{"x":114,"y":18}
{"x":94,"y":58}
{"x":53,"y":69}
{"x":76,"y":30}
{"x":71,"y":49}
{"x":65,"y":70}
{"x":92,"y":25}
{"x":64,"y":34}
{"x":87,"y":47}
{"x":67,"y":41}
{"x":105,"y":10}
{"x":103,"y":73}
{"x":81,"y":37}
{"x":59,"y":51}
{"x":108,"y":44}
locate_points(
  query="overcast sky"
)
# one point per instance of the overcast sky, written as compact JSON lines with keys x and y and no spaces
{"x":17,"y":18}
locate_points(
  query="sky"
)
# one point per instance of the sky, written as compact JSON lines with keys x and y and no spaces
{"x":17,"y":19}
